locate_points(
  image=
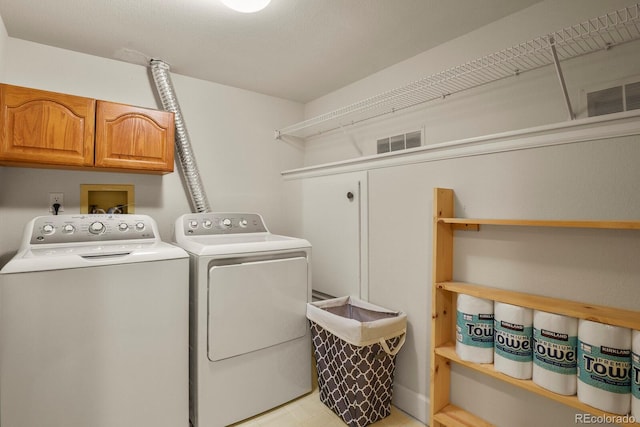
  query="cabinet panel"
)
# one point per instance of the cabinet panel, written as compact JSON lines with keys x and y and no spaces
{"x":334,"y":207}
{"x":43,"y":127}
{"x":134,"y":138}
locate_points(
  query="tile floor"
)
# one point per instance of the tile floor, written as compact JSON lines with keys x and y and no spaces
{"x":308,"y":411}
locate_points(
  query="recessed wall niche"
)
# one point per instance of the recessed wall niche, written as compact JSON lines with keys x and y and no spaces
{"x":107,"y":198}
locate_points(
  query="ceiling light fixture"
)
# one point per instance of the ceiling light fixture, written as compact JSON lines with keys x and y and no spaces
{"x":246,"y":6}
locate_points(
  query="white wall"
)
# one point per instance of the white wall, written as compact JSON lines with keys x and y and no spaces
{"x":231,"y":132}
{"x":587,"y":180}
{"x":3,"y":42}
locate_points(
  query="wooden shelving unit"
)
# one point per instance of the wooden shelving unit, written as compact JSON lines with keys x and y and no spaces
{"x":444,"y":294}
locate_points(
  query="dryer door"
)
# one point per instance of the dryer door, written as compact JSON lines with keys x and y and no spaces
{"x":253,"y":305}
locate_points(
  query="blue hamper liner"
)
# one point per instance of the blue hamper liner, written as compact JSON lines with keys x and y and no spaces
{"x":355,"y":344}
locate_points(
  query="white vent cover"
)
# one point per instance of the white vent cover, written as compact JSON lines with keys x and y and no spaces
{"x":400,"y":142}
{"x":614,"y":99}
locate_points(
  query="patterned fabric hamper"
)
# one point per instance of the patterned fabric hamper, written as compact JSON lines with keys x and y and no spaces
{"x":355,"y":344}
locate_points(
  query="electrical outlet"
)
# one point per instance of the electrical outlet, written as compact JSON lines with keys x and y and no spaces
{"x":56,"y":198}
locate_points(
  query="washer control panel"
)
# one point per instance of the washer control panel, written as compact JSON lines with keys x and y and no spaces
{"x":91,"y":228}
{"x":203,"y":224}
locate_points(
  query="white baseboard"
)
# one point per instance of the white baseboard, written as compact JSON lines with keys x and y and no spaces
{"x":414,"y":404}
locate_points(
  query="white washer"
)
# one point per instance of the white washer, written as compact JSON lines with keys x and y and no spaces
{"x":250,"y":342}
{"x":94,"y":325}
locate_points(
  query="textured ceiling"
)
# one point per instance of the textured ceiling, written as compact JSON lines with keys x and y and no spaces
{"x":294,"y":49}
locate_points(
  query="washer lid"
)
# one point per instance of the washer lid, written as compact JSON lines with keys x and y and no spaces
{"x":59,"y":257}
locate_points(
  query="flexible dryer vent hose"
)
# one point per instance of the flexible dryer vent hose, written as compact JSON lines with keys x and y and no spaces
{"x":188,"y":166}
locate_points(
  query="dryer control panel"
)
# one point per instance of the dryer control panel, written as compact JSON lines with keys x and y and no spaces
{"x":203,"y":224}
{"x":91,"y":228}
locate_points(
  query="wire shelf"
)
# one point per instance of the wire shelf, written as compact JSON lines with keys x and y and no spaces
{"x":603,"y":32}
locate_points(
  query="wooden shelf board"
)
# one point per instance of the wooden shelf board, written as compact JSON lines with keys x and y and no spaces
{"x":597,"y":313}
{"x":453,"y":416}
{"x":448,"y":351}
{"x":468,"y":223}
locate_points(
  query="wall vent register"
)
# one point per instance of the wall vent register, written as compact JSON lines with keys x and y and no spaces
{"x":615,"y":99}
{"x":399,"y":142}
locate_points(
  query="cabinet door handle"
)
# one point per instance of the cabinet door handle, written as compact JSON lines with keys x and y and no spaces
{"x":350,"y":196}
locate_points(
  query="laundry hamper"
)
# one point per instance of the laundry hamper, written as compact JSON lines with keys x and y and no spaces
{"x":355,"y":344}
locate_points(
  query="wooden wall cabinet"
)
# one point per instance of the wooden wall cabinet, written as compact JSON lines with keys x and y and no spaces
{"x":133,"y":138}
{"x":55,"y":130}
{"x":443,"y":314}
{"x":45,"y":128}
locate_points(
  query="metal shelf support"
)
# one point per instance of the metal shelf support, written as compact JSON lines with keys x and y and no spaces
{"x":556,"y":62}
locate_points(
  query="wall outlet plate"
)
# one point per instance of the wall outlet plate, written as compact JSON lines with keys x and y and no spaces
{"x":56,"y":198}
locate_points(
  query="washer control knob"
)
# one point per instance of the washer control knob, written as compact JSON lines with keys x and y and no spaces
{"x":139,"y":226}
{"x":68,"y":228}
{"x":207,"y":223}
{"x":123,"y":226}
{"x":96,"y":227}
{"x":226,"y":223}
{"x":193,"y":224}
{"x":48,"y":229}
{"x":243,"y":223}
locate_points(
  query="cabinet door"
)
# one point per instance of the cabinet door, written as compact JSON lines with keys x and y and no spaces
{"x":334,"y":222}
{"x":39,"y":127}
{"x":134,"y":138}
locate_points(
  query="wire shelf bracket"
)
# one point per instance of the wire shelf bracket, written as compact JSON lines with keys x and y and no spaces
{"x":563,"y":85}
{"x":600,"y":33}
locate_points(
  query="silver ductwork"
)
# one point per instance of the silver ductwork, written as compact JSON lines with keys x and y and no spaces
{"x":186,"y":159}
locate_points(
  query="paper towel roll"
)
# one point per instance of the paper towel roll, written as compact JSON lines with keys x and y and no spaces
{"x":474,"y":329}
{"x":513,"y":335}
{"x":604,"y":365}
{"x":635,"y":375}
{"x":555,"y":338}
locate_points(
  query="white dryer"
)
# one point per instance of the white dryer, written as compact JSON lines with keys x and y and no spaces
{"x":94,"y":325}
{"x":250,"y":342}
